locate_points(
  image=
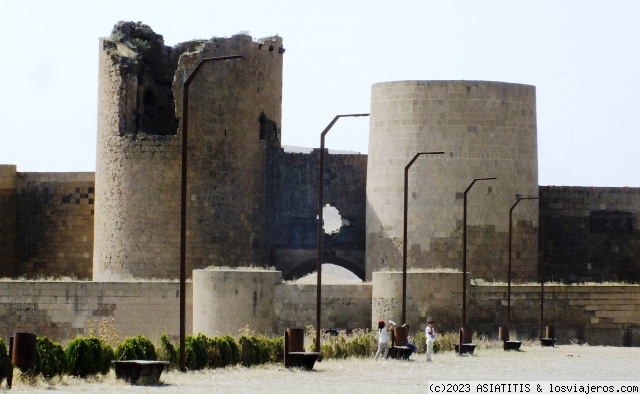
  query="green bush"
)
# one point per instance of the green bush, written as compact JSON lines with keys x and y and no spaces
{"x":196,"y":351}
{"x":6,"y":368}
{"x":136,"y":348}
{"x":220,"y":352}
{"x":168,"y":352}
{"x":276,"y":349}
{"x":50,"y":358}
{"x":249,"y":351}
{"x":108,"y":355}
{"x":234,"y":348}
{"x":88,"y":356}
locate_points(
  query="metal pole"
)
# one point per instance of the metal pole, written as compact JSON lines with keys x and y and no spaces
{"x":464,"y":258}
{"x":320,"y":223}
{"x":542,"y":274}
{"x":183,"y":201}
{"x":509,"y":265}
{"x":404,"y":233}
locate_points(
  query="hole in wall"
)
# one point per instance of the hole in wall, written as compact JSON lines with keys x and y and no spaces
{"x":332,"y":220}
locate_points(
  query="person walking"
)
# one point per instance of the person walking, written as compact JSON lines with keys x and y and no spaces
{"x":430,"y":333}
{"x":383,"y":338}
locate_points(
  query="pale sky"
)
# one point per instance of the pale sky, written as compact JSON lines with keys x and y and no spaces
{"x":582,"y":56}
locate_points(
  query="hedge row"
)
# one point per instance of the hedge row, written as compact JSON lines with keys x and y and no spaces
{"x":90,"y":356}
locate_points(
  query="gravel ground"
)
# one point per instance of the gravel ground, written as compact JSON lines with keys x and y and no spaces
{"x":566,"y":363}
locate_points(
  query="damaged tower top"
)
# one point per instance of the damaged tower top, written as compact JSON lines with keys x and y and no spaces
{"x":234,"y":117}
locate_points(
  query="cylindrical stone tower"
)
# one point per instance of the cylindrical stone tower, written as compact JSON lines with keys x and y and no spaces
{"x":486,"y":129}
{"x":234,"y":112}
{"x":226,"y":301}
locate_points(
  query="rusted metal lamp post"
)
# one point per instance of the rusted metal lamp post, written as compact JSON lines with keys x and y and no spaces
{"x":463,"y":330}
{"x":546,"y":340}
{"x":404,"y":233}
{"x":509,"y":265}
{"x":183,"y":199}
{"x":320,"y":223}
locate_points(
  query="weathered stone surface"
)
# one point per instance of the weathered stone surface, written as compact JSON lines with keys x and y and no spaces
{"x":486,"y":129}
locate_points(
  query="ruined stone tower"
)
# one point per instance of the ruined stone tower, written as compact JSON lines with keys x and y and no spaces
{"x":234,"y":114}
{"x":486,"y":129}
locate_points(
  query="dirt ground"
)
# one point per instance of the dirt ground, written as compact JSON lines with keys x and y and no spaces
{"x":566,"y":363}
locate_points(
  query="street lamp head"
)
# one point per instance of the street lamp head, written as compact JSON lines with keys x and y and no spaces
{"x":352,"y":115}
{"x":474,"y":181}
{"x":326,"y":130}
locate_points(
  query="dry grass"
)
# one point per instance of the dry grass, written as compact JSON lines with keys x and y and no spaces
{"x":358,"y":375}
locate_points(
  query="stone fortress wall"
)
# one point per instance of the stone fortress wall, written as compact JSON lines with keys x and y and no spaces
{"x":590,"y":234}
{"x":49,"y":223}
{"x":252,"y":203}
{"x":62,"y":310}
{"x":292,"y":213}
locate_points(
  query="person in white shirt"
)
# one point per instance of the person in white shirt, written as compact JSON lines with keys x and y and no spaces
{"x":383,"y":338}
{"x":430,"y":333}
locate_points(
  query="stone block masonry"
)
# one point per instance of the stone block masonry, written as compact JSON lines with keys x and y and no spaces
{"x":343,"y":306}
{"x":590,"y":234}
{"x":595,"y":314}
{"x":486,"y":129}
{"x":8,"y":220}
{"x":138,"y":166}
{"x":55,"y":224}
{"x":225,"y":301}
{"x":63,"y":310}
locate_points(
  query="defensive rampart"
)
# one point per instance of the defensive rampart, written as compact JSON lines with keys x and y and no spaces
{"x":590,"y":234}
{"x":293,"y":209}
{"x":62,"y":310}
{"x":47,"y":223}
{"x":225,"y":301}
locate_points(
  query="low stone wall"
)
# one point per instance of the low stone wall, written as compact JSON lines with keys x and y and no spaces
{"x":594,"y":314}
{"x":429,"y":294}
{"x":343,"y":306}
{"x":64,"y":310}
